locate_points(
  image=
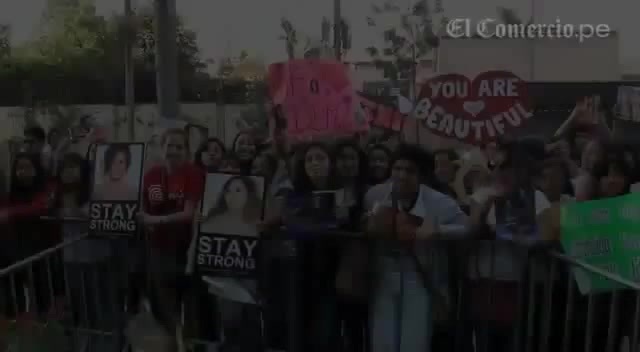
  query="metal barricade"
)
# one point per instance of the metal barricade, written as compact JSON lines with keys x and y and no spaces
{"x":551,"y":314}
{"x":535,"y":307}
{"x":53,"y":302}
{"x":47,"y":300}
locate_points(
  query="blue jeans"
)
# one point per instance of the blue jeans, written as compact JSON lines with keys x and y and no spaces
{"x":401,"y":312}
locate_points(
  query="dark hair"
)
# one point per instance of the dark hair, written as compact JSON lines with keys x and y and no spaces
{"x":36,"y":132}
{"x":80,"y":189}
{"x":245,"y":165}
{"x":363,"y":163}
{"x":52,"y":132}
{"x":450,"y":153}
{"x":110,"y":155}
{"x":231,"y":158}
{"x":263,"y":148}
{"x":301,"y":181}
{"x":613,"y":159}
{"x":240,"y":134}
{"x":18,"y":192}
{"x":272,"y":162}
{"x":424,"y":162}
{"x":383,"y":148}
{"x":555,"y":163}
{"x":417,"y":156}
{"x":629,"y":149}
{"x":204,"y":147}
{"x":253,"y":203}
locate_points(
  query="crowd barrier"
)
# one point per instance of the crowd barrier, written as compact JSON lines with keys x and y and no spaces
{"x":66,"y":306}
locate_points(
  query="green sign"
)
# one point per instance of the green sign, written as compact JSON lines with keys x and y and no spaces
{"x":606,"y":234}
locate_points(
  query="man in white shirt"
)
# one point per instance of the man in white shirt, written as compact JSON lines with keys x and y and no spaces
{"x":410,"y":273}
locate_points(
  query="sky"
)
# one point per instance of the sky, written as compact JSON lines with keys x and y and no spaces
{"x":225,"y":27}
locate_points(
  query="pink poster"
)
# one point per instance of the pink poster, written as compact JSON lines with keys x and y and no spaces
{"x":316,"y":96}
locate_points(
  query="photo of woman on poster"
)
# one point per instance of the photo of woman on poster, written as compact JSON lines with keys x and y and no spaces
{"x":237,"y":208}
{"x":117,"y":172}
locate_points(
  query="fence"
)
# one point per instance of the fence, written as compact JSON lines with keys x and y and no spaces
{"x":52,"y":302}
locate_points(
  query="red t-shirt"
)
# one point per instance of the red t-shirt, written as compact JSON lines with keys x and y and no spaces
{"x":167,"y":193}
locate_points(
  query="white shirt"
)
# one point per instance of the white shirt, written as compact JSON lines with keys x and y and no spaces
{"x":430,"y":204}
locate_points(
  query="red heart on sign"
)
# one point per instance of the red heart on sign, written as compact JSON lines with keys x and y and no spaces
{"x":474,"y":111}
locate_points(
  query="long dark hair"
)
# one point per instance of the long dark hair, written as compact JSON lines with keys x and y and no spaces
{"x":614,"y":158}
{"x":204,"y":147}
{"x":112,"y":152}
{"x":244,"y":164}
{"x":383,"y":148}
{"x":19,"y":192}
{"x":363,"y":164}
{"x":252,"y":206}
{"x":301,"y":181}
{"x":80,"y":189}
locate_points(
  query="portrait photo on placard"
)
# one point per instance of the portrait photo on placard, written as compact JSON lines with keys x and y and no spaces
{"x":117,"y":175}
{"x":117,"y":172}
{"x":232,"y":204}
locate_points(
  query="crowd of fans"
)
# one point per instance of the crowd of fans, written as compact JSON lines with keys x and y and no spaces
{"x":375,"y":295}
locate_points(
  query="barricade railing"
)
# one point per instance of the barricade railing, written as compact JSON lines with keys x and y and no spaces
{"x":550,"y":314}
{"x":55,"y":301}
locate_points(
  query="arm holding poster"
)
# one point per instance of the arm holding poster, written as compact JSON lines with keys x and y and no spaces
{"x":587,"y":111}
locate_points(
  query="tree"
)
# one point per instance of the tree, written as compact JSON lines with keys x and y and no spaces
{"x":73,"y":38}
{"x":314,"y":48}
{"x":190,"y":62}
{"x":290,"y":37}
{"x":406,"y":43}
{"x":86,"y":51}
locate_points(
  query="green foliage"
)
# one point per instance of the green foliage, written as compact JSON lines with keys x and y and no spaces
{"x":72,"y":37}
{"x":405,"y":43}
{"x":73,"y":41}
{"x":189,"y":60}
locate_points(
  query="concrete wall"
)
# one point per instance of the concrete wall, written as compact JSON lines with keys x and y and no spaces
{"x":12,"y":119}
{"x":547,"y":60}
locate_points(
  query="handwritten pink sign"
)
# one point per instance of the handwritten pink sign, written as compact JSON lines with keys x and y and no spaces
{"x":316,"y":96}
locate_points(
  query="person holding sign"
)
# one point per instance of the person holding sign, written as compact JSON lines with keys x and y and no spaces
{"x":29,"y":198}
{"x":115,"y":184}
{"x":117,"y":177}
{"x":88,"y":256}
{"x":227,"y":251}
{"x":171,"y":193}
{"x":511,"y":211}
{"x":237,"y":210}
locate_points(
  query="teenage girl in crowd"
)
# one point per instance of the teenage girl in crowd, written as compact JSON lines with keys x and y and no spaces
{"x":29,"y":197}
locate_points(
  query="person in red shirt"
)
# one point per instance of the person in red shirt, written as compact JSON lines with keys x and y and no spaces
{"x":171,"y":193}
